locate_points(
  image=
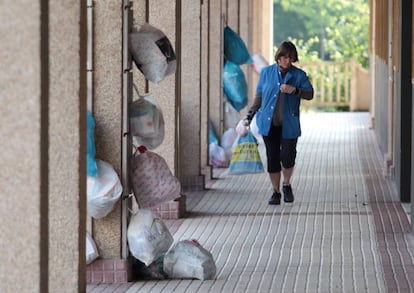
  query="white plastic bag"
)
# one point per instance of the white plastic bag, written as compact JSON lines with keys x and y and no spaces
{"x":188,"y":259}
{"x":217,"y":156}
{"x":241,"y":128}
{"x":148,"y":237}
{"x":259,"y":62}
{"x":254,"y":128}
{"x":91,"y":249}
{"x":103,"y":191}
{"x":231,"y":116}
{"x":151,"y":179}
{"x":227,"y":140}
{"x":146,"y":122}
{"x":152,"y":52}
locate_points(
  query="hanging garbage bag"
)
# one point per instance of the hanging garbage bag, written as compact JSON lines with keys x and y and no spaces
{"x":235,"y":49}
{"x":235,"y":86}
{"x":231,"y":116}
{"x":218,"y":157}
{"x":91,"y":249}
{"x":227,"y":140}
{"x":146,"y":122}
{"x":152,"y":52}
{"x":103,"y":191}
{"x":91,"y":166}
{"x":212,"y":137}
{"x":151,"y":179}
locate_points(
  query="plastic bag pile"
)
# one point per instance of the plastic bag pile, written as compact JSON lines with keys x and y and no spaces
{"x":151,"y":243}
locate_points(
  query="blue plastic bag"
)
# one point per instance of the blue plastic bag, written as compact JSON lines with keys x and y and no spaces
{"x":235,"y":86}
{"x":246,"y":157}
{"x":235,"y":49}
{"x":211,"y":134}
{"x":92,"y":168}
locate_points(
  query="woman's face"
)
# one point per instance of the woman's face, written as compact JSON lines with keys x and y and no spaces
{"x":285,"y":62}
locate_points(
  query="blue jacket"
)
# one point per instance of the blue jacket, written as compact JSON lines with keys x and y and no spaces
{"x":269,"y":87}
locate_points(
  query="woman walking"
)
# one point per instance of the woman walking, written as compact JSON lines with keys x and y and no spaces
{"x":279,"y":91}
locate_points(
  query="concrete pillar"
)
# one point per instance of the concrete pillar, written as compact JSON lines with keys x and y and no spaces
{"x":232,"y":14}
{"x":190,"y":98}
{"x":245,"y":34}
{"x":108,"y":113}
{"x":216,"y":65}
{"x":261,"y":15}
{"x":205,"y":90}
{"x":67,"y":145}
{"x":43,"y":130}
{"x":162,"y":15}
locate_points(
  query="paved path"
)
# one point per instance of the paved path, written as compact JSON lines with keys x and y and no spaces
{"x":345,"y":232}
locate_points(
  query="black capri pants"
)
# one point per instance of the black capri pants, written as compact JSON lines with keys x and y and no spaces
{"x":279,"y":151}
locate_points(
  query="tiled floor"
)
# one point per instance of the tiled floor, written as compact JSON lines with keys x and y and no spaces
{"x":345,"y":232}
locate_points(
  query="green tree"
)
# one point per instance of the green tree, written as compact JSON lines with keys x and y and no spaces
{"x":336,"y":30}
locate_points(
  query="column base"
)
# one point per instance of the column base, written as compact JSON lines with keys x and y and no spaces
{"x":108,"y":271}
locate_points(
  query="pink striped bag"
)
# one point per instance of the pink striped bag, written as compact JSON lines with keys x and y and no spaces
{"x":151,"y":179}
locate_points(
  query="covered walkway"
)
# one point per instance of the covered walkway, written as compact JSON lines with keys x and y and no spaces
{"x":345,"y":232}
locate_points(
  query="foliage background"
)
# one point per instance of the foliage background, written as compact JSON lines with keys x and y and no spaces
{"x":329,"y":30}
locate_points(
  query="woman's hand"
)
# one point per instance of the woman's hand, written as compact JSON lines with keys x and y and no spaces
{"x":288,"y":89}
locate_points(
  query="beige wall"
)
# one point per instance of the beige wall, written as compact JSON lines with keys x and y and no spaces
{"x":42,"y":122}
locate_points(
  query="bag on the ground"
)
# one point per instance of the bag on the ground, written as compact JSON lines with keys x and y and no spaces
{"x":235,"y":86}
{"x":92,"y":167}
{"x":187,"y":259}
{"x":217,"y":154}
{"x":148,"y":236}
{"x":146,"y":122}
{"x":152,"y":52}
{"x":246,"y":157}
{"x":151,"y":179}
{"x":235,"y":49}
{"x":91,"y":249}
{"x":155,"y":271}
{"x":103,"y":191}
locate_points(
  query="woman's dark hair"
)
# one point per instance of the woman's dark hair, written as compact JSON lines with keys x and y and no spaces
{"x":287,"y":49}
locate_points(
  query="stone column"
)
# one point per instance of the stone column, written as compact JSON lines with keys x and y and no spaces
{"x":162,"y":15}
{"x":190,"y":98}
{"x":67,"y":145}
{"x":216,"y":66}
{"x":43,"y":125}
{"x":108,"y":112}
{"x":205,"y":90}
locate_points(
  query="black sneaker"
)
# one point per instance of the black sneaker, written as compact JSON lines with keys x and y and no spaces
{"x":287,"y":193}
{"x":275,"y":199}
